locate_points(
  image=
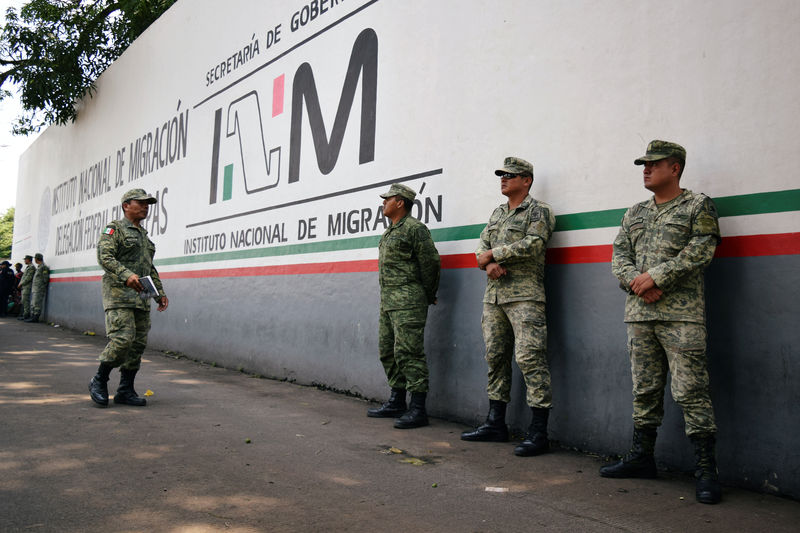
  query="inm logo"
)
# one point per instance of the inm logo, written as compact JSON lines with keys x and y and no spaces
{"x":259,"y":161}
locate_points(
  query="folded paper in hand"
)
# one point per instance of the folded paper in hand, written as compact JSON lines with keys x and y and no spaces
{"x":149,"y":290}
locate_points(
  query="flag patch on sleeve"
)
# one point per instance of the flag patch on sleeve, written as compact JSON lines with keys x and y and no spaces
{"x":108,"y":231}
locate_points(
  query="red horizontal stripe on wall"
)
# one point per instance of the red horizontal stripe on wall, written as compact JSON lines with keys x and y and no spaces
{"x":368,"y":265}
{"x":600,"y":253}
{"x":740,"y":246}
{"x":76,"y":278}
{"x":759,"y":245}
{"x":459,"y":261}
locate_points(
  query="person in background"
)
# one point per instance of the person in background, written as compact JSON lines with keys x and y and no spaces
{"x":25,"y":287}
{"x":41,"y":279}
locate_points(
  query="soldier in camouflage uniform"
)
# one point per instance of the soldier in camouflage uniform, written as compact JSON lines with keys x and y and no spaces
{"x":25,"y":286}
{"x":41,"y":279}
{"x":126,"y":254}
{"x":408,"y":272}
{"x":662,"y":248}
{"x":512,"y":251}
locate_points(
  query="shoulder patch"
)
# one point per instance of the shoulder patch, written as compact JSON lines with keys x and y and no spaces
{"x":108,"y":231}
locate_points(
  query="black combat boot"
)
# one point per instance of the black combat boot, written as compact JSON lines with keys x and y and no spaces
{"x":535,"y":442}
{"x":639,"y":462}
{"x":22,"y":316}
{"x":98,"y":388}
{"x":494,"y":429}
{"x":32,"y":318}
{"x":125,"y":393}
{"x":707,"y":489}
{"x":394,"y":407}
{"x":416,"y":416}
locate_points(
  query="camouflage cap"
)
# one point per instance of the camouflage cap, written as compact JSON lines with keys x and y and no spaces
{"x":39,"y":257}
{"x":398,"y":189}
{"x":138,"y":194}
{"x":514,"y":165}
{"x":658,"y":150}
{"x":28,"y":257}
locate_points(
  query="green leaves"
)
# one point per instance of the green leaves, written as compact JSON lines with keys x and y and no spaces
{"x":6,"y":232}
{"x":52,"y":51}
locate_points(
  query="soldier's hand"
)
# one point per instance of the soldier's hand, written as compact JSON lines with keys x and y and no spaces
{"x":642,"y":283}
{"x":495,"y":271}
{"x":134,"y":283}
{"x":163,"y":303}
{"x":652,"y":295}
{"x":485,"y":258}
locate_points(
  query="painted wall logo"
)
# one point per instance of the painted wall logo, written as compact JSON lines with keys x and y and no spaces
{"x":257,"y":162}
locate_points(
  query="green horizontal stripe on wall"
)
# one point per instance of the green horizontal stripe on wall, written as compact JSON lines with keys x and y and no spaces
{"x":592,"y":219}
{"x":728,"y":206}
{"x":759,"y":203}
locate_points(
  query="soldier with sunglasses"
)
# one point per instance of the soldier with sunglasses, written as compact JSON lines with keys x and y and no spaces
{"x":511,"y":251}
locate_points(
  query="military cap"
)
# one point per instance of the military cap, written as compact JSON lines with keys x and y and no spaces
{"x":28,"y":257}
{"x":138,"y":194}
{"x":398,"y":189}
{"x":40,"y":257}
{"x":514,"y":165}
{"x":658,"y":150}
{"x":5,"y":263}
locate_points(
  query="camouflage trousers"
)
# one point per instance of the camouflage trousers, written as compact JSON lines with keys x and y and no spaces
{"x":679,"y":347}
{"x":401,"y":340}
{"x":37,"y":301}
{"x":26,"y":300}
{"x":126,"y":329}
{"x":518,"y":328}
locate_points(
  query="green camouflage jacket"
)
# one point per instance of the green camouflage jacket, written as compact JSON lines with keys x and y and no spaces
{"x":123,"y":250}
{"x":674,"y":244}
{"x":408,"y":266}
{"x":518,"y":240}
{"x":27,"y":276}
{"x":41,"y":278}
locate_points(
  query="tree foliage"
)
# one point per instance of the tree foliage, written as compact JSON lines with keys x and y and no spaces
{"x":6,"y":233}
{"x":54,"y":50}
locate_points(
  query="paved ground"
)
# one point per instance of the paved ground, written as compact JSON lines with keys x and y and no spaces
{"x":217,"y":450}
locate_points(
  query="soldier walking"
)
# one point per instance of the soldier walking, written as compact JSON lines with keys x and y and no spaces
{"x":512,"y":252}
{"x":25,"y":286}
{"x":126,"y":254}
{"x":408,"y":272}
{"x":660,"y":253}
{"x":41,"y":279}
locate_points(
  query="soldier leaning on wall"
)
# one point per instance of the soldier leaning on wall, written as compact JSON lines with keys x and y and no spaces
{"x":660,"y":253}
{"x":41,"y":279}
{"x":25,"y":287}
{"x":512,"y":252}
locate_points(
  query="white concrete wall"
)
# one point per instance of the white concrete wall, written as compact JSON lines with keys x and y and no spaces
{"x":576,"y":87}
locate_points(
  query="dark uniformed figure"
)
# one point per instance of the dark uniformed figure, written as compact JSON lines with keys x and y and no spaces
{"x":126,"y":255}
{"x":41,"y":279}
{"x":660,"y":253}
{"x":512,"y":252}
{"x":25,"y":286}
{"x":408,"y":272}
{"x":7,"y":285}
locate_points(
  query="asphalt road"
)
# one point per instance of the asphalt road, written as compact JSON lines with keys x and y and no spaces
{"x":218,"y":450}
